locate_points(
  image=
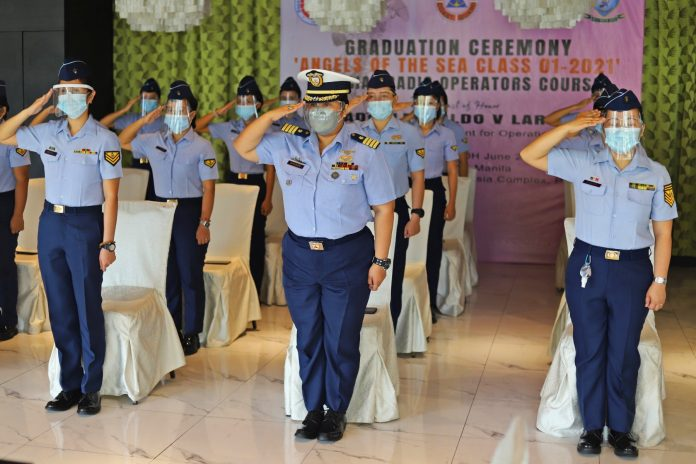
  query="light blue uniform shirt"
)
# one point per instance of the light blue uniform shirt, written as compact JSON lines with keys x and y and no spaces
{"x":440,"y":147}
{"x":462,"y":140}
{"x":11,"y":157}
{"x":403,"y":149}
{"x":74,"y":165}
{"x":586,"y":139}
{"x":228,"y":132}
{"x":613,"y":207}
{"x":178,"y":168}
{"x":322,"y":198}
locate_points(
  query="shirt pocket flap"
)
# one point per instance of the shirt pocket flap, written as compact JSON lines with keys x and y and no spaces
{"x":594,"y":190}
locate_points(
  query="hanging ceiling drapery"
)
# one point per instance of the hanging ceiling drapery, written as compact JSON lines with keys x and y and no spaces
{"x":162,"y":15}
{"x":350,"y":16}
{"x":544,"y":14}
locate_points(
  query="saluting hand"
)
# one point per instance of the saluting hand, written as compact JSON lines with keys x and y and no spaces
{"x":282,"y":111}
{"x":153,"y":115}
{"x":130,"y":104}
{"x":39,"y":103}
{"x":106,"y":259}
{"x":402,"y":106}
{"x":202,"y":235}
{"x":376,"y":276}
{"x":656,"y":296}
{"x":584,"y":120}
{"x":355,"y":102}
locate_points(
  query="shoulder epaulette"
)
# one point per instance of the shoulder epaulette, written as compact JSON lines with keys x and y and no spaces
{"x":370,"y":142}
{"x":295,"y":130}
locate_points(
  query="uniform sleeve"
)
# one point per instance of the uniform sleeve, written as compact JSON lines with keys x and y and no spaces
{"x":416,"y":150}
{"x":144,"y":143}
{"x":568,"y":117}
{"x":377,"y":179}
{"x":207,"y":166}
{"x":219,"y":130}
{"x":110,"y":157}
{"x":462,"y":142}
{"x":125,"y":121}
{"x":19,"y":157}
{"x":450,"y":146}
{"x":567,"y":164}
{"x":30,"y":138}
{"x":272,"y":142}
{"x":664,"y":205}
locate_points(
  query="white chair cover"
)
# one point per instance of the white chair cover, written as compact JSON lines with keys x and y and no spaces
{"x":562,"y":255}
{"x":133,"y":185}
{"x":142,"y":343}
{"x":513,"y":448}
{"x":415,"y":323}
{"x":377,"y":385}
{"x":32,"y":309}
{"x":559,"y":414}
{"x":231,"y":301}
{"x":272,"y":292}
{"x":469,"y":236}
{"x":455,"y":283}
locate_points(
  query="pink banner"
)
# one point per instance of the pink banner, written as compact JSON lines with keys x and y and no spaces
{"x":501,"y":81}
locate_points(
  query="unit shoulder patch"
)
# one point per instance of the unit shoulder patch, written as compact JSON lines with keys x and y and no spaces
{"x":210,"y":162}
{"x":294,"y":130}
{"x":370,"y":142}
{"x":420,"y":152}
{"x":112,"y":157}
{"x":669,"y":194}
{"x":20,"y":151}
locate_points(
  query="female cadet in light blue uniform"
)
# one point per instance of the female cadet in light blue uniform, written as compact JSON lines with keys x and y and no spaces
{"x":248,"y":103}
{"x":14,"y":183}
{"x":403,"y":149}
{"x":331,"y":179}
{"x":82,"y":162}
{"x":290,"y":94}
{"x":610,"y":282}
{"x":441,"y":154}
{"x":459,"y":134}
{"x":184,"y":171}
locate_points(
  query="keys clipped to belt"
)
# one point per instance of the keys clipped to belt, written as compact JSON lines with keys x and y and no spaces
{"x":586,"y":271}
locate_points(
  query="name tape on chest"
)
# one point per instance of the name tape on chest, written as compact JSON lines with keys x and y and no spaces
{"x":294,"y":130}
{"x":367,"y":141}
{"x":637,"y":186}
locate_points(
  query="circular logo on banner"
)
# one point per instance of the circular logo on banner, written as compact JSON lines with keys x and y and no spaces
{"x":604,"y":9}
{"x":302,"y":13}
{"x":456,"y":10}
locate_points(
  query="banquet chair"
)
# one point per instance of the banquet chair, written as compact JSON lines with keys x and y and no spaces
{"x":272,"y":292}
{"x":231,"y":301}
{"x":133,"y":185}
{"x":469,"y":233}
{"x":377,"y":385}
{"x":142,"y":342}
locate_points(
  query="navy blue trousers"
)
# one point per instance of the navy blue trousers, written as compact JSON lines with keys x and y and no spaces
{"x":8,"y":268}
{"x":185,"y":289}
{"x":327,"y":293}
{"x":257,"y":252}
{"x":608,"y":316}
{"x":435,"y":234}
{"x":69,"y":262}
{"x":398,"y":267}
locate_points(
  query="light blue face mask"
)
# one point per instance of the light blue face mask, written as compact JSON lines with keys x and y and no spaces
{"x":245,"y":112}
{"x":177,"y":123}
{"x":380,"y":109}
{"x":147,"y":105}
{"x":322,"y":120}
{"x":72,"y":104}
{"x":425,"y":113}
{"x":622,"y":140}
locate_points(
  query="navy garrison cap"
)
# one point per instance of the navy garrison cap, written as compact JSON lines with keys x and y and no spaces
{"x":291,"y":85}
{"x":604,"y":97}
{"x":441,"y":91}
{"x":151,"y":85}
{"x":601,"y":82}
{"x":248,"y":86}
{"x":426,"y":88}
{"x":180,"y":90}
{"x":381,"y":78}
{"x":74,"y":69}
{"x":622,"y":100}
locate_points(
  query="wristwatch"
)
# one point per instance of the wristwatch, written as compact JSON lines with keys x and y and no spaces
{"x":420,"y":212}
{"x":661,"y":280}
{"x":385,"y":263}
{"x":108,"y":246}
{"x":205,"y":223}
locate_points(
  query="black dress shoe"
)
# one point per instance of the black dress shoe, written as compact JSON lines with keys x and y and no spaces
{"x":333,"y":426}
{"x":7,"y":333}
{"x":191,"y":344}
{"x":310,"y":425}
{"x":90,"y":404}
{"x":591,"y":442}
{"x":64,"y":401}
{"x":623,"y":444}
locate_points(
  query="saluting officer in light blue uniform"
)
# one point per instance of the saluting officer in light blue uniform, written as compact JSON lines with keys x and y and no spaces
{"x":591,"y":137}
{"x":331,"y":179}
{"x":82,"y":161}
{"x":248,"y":103}
{"x":459,"y":134}
{"x":149,"y":98}
{"x":14,"y":182}
{"x":610,"y":282}
{"x":404,"y":151}
{"x":184,"y":170}
{"x":441,"y":155}
{"x":290,"y":94}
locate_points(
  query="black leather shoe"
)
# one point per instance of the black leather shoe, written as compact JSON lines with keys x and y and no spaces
{"x":333,"y":426}
{"x":310,"y":425}
{"x":591,"y":442}
{"x":623,"y":444}
{"x":64,"y":401}
{"x":191,"y":344}
{"x":7,"y":333}
{"x":90,"y":404}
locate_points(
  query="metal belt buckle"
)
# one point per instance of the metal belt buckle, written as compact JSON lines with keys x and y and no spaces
{"x":58,"y":209}
{"x":242,"y":176}
{"x":316,"y":246}
{"x":612,"y":255}
{"x":172,"y":201}
{"x":144,"y":160}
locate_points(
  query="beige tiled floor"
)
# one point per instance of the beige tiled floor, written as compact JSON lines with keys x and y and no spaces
{"x":456,"y":402}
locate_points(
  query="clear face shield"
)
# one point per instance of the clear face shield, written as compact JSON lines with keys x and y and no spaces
{"x":425,"y":108}
{"x":323,"y":117}
{"x":288,"y":97}
{"x":70,"y":100}
{"x":177,"y":116}
{"x":246,"y":107}
{"x":148,"y":103}
{"x":622,"y":131}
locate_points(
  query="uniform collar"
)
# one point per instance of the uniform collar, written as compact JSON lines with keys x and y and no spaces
{"x":392,"y":124}
{"x":188,"y":137}
{"x":89,"y":128}
{"x":434,"y":130}
{"x":640,"y":160}
{"x":341,"y":138}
